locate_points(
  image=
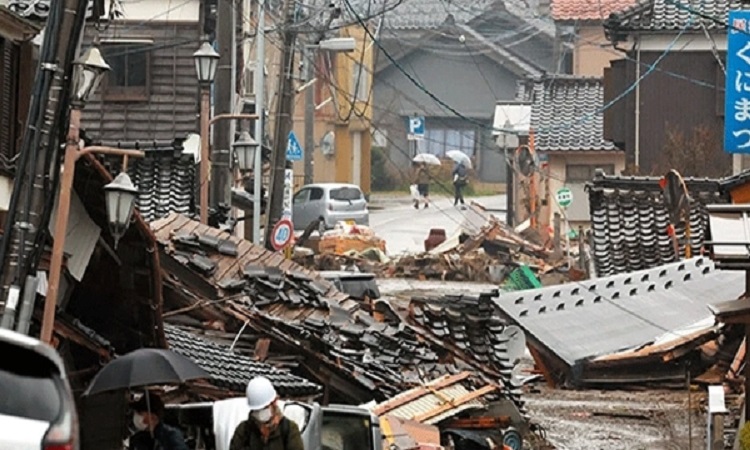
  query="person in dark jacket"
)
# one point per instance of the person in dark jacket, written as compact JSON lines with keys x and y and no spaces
{"x":422,"y":180}
{"x":460,"y":178}
{"x":267,"y":428}
{"x":152,"y":433}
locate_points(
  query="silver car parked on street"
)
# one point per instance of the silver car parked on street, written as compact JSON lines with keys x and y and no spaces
{"x":331,"y":203}
{"x":37,"y":411}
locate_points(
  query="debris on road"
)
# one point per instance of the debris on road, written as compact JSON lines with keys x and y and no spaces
{"x":490,"y":254}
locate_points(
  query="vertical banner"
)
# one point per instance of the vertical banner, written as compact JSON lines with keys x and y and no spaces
{"x":737,"y":93}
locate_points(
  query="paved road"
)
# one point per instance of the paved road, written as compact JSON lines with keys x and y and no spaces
{"x":405,"y":228}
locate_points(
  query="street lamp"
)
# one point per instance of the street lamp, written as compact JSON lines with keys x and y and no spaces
{"x":88,"y":71}
{"x":244,"y":149}
{"x":120,"y":196}
{"x":206,"y":60}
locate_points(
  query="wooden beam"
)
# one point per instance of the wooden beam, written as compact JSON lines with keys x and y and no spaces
{"x":538,"y":360}
{"x":455,"y":403}
{"x":421,"y":391}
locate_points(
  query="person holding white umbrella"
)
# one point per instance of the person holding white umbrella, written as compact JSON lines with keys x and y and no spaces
{"x":422,"y":176}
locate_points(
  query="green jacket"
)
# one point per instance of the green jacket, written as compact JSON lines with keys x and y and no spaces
{"x":285,"y":437}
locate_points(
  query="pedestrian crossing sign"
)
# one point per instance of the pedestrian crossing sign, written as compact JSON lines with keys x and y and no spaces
{"x":293,"y":148}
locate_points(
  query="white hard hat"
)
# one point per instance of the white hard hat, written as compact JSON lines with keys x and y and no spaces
{"x":260,"y":393}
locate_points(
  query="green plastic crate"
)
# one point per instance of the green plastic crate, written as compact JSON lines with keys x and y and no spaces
{"x":522,"y":279}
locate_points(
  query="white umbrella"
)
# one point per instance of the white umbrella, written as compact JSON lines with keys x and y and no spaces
{"x":459,"y":157}
{"x":427,"y":158}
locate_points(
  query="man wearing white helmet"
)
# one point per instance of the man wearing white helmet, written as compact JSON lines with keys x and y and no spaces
{"x":266,"y":428}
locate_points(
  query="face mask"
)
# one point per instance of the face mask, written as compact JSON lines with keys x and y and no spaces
{"x":263,"y":415}
{"x":139,"y":422}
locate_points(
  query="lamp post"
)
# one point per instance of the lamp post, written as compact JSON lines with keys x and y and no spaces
{"x":334,"y":45}
{"x":206,"y":61}
{"x":244,"y":149}
{"x":87,"y":74}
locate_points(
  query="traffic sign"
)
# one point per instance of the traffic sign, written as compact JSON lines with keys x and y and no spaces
{"x":737,"y":88}
{"x":293,"y":148}
{"x":416,"y":128}
{"x":286,"y":211}
{"x":564,"y":197}
{"x":282,"y":234}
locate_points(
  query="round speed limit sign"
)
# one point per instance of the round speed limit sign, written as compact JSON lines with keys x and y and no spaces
{"x":564,"y":197}
{"x":282,"y":234}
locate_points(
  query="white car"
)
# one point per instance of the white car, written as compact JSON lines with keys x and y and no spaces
{"x":37,"y":411}
{"x":331,"y":203}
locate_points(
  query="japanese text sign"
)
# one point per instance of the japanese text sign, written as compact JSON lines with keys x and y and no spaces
{"x":737,"y":94}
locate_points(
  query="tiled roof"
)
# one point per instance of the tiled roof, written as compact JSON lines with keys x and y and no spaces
{"x":166,"y":182}
{"x":669,"y":15}
{"x":566,"y":113}
{"x":580,"y":321}
{"x":231,"y":370}
{"x":629,"y":222}
{"x":428,"y":14}
{"x":291,"y":305}
{"x":583,"y":10}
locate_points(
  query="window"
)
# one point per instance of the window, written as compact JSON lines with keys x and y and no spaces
{"x":301,"y":196}
{"x":581,"y":173}
{"x":316,"y":194}
{"x":345,"y":194}
{"x":437,"y":141}
{"x":360,"y":82}
{"x":8,"y":98}
{"x":129,"y":79}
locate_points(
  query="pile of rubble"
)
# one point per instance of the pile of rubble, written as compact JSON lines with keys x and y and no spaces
{"x":489,"y":255}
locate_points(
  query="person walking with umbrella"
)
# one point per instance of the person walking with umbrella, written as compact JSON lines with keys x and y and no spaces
{"x":267,"y":428}
{"x":422,"y":180}
{"x":459,"y":182}
{"x":153,"y":434}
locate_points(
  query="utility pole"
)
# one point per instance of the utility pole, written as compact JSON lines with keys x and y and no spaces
{"x":221,"y":153}
{"x":309,"y":66}
{"x":38,"y":168}
{"x":282,"y":125}
{"x":309,"y":114}
{"x":259,"y":88}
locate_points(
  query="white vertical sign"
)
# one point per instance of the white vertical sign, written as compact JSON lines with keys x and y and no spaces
{"x":288,"y":185}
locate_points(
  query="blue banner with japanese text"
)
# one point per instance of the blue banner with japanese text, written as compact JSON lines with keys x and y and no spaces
{"x":737,"y":94}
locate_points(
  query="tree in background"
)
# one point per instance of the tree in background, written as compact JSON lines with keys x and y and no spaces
{"x":696,"y":154}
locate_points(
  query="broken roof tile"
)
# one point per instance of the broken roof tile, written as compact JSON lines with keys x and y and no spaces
{"x":231,"y":370}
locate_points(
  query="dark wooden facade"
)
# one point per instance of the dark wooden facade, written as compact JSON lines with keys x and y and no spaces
{"x":151,"y":93}
{"x":685,"y":93}
{"x":18,"y":60}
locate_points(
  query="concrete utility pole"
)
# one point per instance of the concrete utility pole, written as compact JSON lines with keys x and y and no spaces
{"x":221,"y":155}
{"x":33,"y":192}
{"x":259,"y":88}
{"x":283,"y":123}
{"x":308,"y":62}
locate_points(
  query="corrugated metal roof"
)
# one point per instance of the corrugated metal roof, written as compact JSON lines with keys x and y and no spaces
{"x":606,"y":315}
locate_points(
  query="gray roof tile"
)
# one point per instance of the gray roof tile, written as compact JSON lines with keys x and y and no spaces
{"x":166,"y":182}
{"x":628,"y":310}
{"x":566,"y":113}
{"x":669,"y":15}
{"x":629,"y":222}
{"x":231,"y":370}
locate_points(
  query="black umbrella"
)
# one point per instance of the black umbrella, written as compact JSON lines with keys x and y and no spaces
{"x":144,"y":367}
